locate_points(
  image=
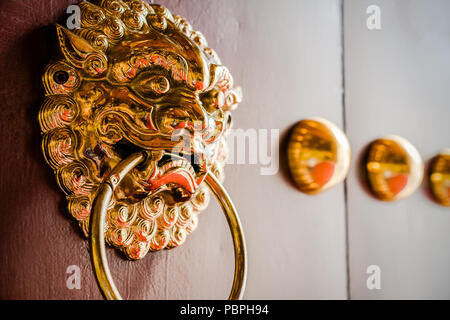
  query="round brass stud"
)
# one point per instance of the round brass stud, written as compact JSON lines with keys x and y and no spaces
{"x":393,"y":167}
{"x":439,"y":177}
{"x":318,"y":155}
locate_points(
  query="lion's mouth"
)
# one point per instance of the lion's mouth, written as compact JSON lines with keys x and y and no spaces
{"x":174,"y":171}
{"x":179,"y":139}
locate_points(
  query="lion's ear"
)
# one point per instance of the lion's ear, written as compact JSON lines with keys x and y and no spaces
{"x":75,"y":48}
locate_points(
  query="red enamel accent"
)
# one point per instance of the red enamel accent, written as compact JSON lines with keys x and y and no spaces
{"x":397,"y":183}
{"x":99,"y":70}
{"x":323,"y":172}
{"x":180,"y":177}
{"x":200,"y":179}
{"x":84,"y":213}
{"x":149,"y":123}
{"x":66,"y":115}
{"x":184,"y":124}
{"x":136,"y":252}
{"x":198,"y":85}
{"x":141,"y":63}
{"x":141,"y":236}
{"x":122,"y":224}
{"x":131,"y":73}
{"x":120,"y":239}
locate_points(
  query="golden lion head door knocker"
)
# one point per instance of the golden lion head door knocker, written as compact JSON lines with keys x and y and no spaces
{"x":134,"y":121}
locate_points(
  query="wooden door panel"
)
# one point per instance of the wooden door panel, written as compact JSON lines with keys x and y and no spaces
{"x":397,"y":82}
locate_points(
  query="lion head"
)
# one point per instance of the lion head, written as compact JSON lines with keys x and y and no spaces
{"x":134,"y":77}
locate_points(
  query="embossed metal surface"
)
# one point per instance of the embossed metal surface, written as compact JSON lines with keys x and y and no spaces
{"x":439,"y":177}
{"x":394,"y":168}
{"x":135,"y":77}
{"x":318,"y":155}
{"x":100,"y":209}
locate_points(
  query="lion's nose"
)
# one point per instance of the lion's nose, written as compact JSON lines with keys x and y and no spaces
{"x":200,"y":116}
{"x":192,"y":117}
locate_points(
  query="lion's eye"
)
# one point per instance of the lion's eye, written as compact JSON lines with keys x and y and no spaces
{"x":155,"y":84}
{"x":213,"y":100}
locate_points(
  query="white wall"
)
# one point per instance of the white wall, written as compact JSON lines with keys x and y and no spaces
{"x":397,"y":81}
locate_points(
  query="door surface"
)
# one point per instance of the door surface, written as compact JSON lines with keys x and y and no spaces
{"x":396,"y":81}
{"x":293,"y":59}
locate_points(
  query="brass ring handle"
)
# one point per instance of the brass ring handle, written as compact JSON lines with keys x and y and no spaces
{"x":240,"y":251}
{"x":97,"y":224}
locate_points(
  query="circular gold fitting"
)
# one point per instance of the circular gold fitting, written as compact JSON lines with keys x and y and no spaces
{"x":393,"y":168}
{"x":318,"y":155}
{"x":439,"y":177}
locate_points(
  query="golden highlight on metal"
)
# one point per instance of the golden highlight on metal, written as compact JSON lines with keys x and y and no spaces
{"x":439,"y":178}
{"x":98,"y":254}
{"x":318,"y":155}
{"x":137,"y":96}
{"x":393,"y":168}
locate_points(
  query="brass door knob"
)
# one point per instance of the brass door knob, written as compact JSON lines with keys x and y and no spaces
{"x":318,"y":155}
{"x":393,"y":167}
{"x":136,"y":109}
{"x":439,"y":177}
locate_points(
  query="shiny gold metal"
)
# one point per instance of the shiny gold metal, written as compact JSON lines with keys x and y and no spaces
{"x":394,"y":168}
{"x":318,"y":155}
{"x":439,"y":177}
{"x":135,"y":78}
{"x":99,"y":213}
